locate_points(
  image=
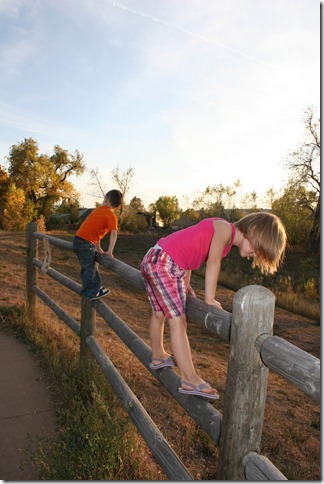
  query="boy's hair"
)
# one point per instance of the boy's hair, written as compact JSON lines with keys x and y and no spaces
{"x":115,"y":198}
{"x":267,"y":235}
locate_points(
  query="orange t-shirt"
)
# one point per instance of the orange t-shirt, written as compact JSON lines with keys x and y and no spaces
{"x":101,"y":221}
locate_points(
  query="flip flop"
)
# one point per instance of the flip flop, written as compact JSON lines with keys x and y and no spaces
{"x":197,"y":390}
{"x":164,"y":362}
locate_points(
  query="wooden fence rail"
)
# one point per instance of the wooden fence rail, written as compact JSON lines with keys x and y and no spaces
{"x":253,"y":350}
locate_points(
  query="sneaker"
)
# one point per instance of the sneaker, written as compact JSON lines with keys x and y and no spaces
{"x":101,"y":293}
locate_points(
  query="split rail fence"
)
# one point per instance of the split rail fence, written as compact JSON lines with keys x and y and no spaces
{"x":253,"y":351}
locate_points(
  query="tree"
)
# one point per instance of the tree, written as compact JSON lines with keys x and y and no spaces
{"x":191,"y":214}
{"x":131,"y":221}
{"x":123,"y":179}
{"x":4,"y":187}
{"x":304,"y":165}
{"x":290,"y":207}
{"x":211,"y":203}
{"x":71,"y":207}
{"x":270,"y":197}
{"x":96,"y":182}
{"x":250,"y":200}
{"x":168,"y":208}
{"x":136,"y":205}
{"x":4,"y":181}
{"x":17,"y":212}
{"x":43,"y":178}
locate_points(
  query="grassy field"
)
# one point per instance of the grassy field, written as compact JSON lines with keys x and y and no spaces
{"x":291,"y":434}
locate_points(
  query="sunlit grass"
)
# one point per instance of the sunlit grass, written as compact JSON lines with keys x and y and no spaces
{"x":299,"y":301}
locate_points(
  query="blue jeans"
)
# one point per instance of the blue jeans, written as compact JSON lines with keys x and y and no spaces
{"x":86,"y":253}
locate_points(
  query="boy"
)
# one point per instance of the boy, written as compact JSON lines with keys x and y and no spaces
{"x":101,"y":221}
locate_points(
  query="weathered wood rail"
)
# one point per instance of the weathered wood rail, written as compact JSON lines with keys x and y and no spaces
{"x":253,"y":350}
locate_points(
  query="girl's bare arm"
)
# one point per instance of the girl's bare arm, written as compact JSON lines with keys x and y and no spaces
{"x":188,"y":285}
{"x":221,"y":238}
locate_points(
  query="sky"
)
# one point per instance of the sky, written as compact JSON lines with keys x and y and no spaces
{"x":188,"y":93}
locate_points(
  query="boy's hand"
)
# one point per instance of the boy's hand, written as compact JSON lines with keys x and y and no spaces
{"x":110,"y":255}
{"x":214,"y":303}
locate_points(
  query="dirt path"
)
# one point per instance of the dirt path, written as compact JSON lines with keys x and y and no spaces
{"x":26,"y":410}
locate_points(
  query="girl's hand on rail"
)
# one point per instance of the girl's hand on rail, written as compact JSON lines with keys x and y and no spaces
{"x":214,"y":303}
{"x":110,"y":255}
{"x":190,"y":291}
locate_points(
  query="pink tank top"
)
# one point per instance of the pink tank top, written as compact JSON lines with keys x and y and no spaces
{"x":189,"y":247}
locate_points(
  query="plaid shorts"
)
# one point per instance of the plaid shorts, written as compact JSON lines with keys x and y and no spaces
{"x":165,"y":283}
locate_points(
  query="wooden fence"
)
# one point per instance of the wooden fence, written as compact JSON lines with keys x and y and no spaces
{"x":253,"y":350}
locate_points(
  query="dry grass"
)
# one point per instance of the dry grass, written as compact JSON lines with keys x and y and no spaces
{"x":291,"y":436}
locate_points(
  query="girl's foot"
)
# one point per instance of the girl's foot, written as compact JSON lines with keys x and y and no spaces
{"x":202,"y":390}
{"x":158,"y":363}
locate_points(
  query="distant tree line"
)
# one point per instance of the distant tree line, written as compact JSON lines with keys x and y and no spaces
{"x":36,"y":186}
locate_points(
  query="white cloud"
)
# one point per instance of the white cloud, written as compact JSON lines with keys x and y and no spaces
{"x":29,"y":125}
{"x":9,"y":7}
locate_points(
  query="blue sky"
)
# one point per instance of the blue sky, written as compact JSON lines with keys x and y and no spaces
{"x":189,"y":93}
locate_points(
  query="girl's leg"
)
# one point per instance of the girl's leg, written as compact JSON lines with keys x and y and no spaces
{"x":182,"y":353}
{"x":156,"y":331}
{"x":165,"y":286}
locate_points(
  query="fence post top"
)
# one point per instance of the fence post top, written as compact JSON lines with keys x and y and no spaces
{"x":254,"y":292}
{"x":31,"y":227}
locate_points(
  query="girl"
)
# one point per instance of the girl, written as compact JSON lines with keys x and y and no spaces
{"x":166,"y":269}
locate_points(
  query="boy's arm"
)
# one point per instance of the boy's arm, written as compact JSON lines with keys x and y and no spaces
{"x":221,"y":238}
{"x":112,"y":242}
{"x":99,"y":249}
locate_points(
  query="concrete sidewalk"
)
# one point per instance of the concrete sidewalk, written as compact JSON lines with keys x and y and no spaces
{"x":25,"y":408}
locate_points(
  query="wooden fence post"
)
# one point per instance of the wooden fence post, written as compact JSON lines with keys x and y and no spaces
{"x":246,"y":384}
{"x":87,"y":329}
{"x":31,"y":270}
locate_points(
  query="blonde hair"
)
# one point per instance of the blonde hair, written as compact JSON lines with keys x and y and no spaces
{"x":267,"y":235}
